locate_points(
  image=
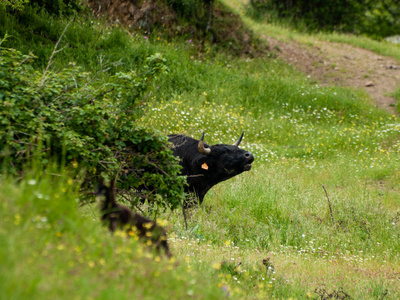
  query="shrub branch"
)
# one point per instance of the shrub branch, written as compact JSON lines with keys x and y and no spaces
{"x":329,"y":203}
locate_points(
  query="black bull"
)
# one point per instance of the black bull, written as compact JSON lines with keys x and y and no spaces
{"x":206,"y":166}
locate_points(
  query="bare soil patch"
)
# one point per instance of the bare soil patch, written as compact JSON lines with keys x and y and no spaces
{"x":345,"y":65}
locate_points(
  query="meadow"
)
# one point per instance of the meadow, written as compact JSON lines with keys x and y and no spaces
{"x":317,"y":217}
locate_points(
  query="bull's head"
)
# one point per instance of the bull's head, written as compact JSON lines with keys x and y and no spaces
{"x":206,"y":166}
{"x":228,"y":159}
{"x":207,"y":151}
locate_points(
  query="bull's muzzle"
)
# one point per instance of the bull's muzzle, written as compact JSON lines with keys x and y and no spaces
{"x":249,"y":160}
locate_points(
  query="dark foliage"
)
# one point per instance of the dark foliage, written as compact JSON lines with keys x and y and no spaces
{"x":331,"y":14}
{"x":58,"y":7}
{"x":383,"y":19}
{"x":323,"y":294}
{"x":376,"y":18}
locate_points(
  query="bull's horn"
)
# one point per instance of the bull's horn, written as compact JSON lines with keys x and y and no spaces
{"x":202,"y":149}
{"x":239,"y":140}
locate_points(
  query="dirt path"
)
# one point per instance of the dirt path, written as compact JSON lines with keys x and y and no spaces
{"x":341,"y":64}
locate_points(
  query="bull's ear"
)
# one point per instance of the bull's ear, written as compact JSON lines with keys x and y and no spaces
{"x":204,"y":163}
{"x":204,"y":166}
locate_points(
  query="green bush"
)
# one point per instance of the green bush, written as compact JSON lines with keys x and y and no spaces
{"x":54,"y":7}
{"x":58,"y":7}
{"x":187,"y":9}
{"x":382,"y":20}
{"x":14,"y":4}
{"x":375,"y":18}
{"x":82,"y":123}
{"x":317,"y":14}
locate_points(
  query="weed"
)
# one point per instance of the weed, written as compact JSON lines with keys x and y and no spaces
{"x":323,"y":294}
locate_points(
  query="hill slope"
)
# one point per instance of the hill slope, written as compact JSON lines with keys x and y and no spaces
{"x":343,"y":63}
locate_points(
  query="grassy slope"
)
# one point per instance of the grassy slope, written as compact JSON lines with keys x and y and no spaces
{"x":51,"y":249}
{"x":304,"y":136}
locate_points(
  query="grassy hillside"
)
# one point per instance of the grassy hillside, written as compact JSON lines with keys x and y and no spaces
{"x":52,"y":249}
{"x":272,"y":232}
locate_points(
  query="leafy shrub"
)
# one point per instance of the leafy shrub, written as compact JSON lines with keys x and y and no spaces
{"x":383,"y":19}
{"x":318,"y":14}
{"x":54,"y":7}
{"x":374,"y":18}
{"x":187,"y":9}
{"x":71,"y":117}
{"x":14,"y":4}
{"x":58,"y":7}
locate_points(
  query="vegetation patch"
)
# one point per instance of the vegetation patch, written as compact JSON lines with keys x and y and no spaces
{"x":67,"y":117}
{"x":50,"y":248}
{"x":317,"y":215}
{"x":377,"y":19}
{"x":185,"y":20}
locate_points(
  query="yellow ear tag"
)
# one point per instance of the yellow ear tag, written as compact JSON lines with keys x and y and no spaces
{"x":204,"y":166}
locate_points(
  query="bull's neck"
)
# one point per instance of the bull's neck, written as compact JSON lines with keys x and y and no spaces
{"x":203,"y":184}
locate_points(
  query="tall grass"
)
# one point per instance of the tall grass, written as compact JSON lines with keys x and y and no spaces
{"x":87,"y":42}
{"x":396,"y":95}
{"x":50,"y":248}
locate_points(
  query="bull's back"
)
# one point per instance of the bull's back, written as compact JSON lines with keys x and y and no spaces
{"x":186,"y":148}
{"x":183,"y":145}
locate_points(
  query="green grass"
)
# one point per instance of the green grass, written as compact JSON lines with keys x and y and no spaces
{"x":50,"y":248}
{"x":303,"y":136}
{"x":280,"y":211}
{"x":396,"y":95}
{"x":87,"y":42}
{"x":283,"y":114}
